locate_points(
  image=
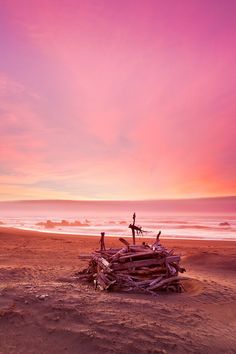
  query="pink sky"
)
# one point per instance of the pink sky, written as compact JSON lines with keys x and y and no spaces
{"x":128,"y":99}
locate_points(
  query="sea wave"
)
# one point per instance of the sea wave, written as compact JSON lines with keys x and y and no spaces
{"x":179,"y":227}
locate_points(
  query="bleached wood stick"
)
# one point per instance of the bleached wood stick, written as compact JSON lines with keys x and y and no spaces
{"x":166,"y":281}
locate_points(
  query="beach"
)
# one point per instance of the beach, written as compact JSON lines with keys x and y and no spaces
{"x":44,"y":308}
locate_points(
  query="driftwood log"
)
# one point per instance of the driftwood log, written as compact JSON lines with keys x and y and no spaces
{"x":143,"y":268}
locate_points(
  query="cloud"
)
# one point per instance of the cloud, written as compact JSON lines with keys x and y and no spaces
{"x":132,"y":100}
{"x":22,"y":145}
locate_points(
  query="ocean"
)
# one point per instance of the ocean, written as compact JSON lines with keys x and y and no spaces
{"x":177,"y":225}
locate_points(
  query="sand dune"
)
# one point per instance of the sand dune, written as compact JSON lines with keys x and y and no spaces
{"x":43,"y":307}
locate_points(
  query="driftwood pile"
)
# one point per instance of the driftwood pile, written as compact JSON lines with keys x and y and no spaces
{"x":139,"y":268}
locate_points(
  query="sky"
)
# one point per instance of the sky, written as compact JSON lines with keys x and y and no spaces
{"x":107,"y":99}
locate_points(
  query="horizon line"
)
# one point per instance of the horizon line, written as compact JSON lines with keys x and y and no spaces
{"x":119,"y":200}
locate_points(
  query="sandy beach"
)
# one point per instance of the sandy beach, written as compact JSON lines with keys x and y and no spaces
{"x":45,"y":309}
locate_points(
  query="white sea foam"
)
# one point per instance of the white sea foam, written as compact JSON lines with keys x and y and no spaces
{"x":172,"y":226}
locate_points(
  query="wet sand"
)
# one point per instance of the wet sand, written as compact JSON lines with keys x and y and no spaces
{"x":45,"y":309}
